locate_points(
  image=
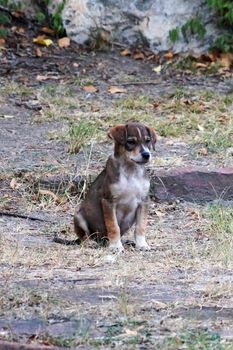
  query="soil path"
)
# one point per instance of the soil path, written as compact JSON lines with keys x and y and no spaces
{"x":177,"y":294}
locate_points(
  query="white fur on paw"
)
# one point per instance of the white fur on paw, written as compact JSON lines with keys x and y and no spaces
{"x":116,"y":247}
{"x":141,"y":243}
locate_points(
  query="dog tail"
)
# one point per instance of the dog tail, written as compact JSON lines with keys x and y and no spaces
{"x":59,"y":240}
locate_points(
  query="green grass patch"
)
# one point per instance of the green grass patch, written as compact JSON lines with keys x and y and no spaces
{"x":82,"y":133}
{"x":130,"y":102}
{"x":196,"y":340}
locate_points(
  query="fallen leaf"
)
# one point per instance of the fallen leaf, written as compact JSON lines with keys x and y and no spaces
{"x":156,"y":104}
{"x":2,"y":41}
{"x":46,"y":77}
{"x":201,"y":65}
{"x":130,"y":333}
{"x":223,"y":119}
{"x":51,"y":194}
{"x":14,"y":184}
{"x":19,"y":30}
{"x":125,"y":52}
{"x":18,"y":13}
{"x":139,"y":56}
{"x":90,"y":88}
{"x":169,"y":55}
{"x":95,"y":108}
{"x":64,"y":42}
{"x":203,"y":151}
{"x":41,"y":40}
{"x":157,"y":69}
{"x":116,"y":90}
{"x":202,"y":107}
{"x":38,"y":52}
{"x":225,"y":60}
{"x":185,"y":101}
{"x":47,"y":30}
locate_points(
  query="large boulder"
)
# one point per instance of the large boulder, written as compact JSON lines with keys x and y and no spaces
{"x":138,"y":21}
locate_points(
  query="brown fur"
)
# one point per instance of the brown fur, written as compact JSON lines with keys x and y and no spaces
{"x":118,"y":197}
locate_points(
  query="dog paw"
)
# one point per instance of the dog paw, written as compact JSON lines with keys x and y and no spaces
{"x":116,"y":247}
{"x":141,"y":244}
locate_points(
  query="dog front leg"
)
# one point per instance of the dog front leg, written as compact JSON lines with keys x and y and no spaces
{"x":113,"y":230}
{"x":140,"y":229}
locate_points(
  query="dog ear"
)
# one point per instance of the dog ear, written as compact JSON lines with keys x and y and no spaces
{"x":118,"y":134}
{"x":153,"y":137}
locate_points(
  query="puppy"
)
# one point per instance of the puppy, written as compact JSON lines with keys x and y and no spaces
{"x":117,"y":199}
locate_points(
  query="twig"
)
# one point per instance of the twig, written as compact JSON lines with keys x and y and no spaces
{"x":150,"y":82}
{"x":23,"y":216}
{"x":59,"y":240}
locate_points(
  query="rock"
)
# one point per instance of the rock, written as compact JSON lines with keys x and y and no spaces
{"x":5,"y":345}
{"x":193,"y":185}
{"x":137,"y":22}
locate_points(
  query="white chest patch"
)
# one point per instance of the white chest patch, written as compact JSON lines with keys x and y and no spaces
{"x":131,"y":189}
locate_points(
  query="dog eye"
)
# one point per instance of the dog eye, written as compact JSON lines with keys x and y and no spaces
{"x":147,"y":139}
{"x":131,"y":142}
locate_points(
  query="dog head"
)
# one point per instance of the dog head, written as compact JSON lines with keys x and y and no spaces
{"x":133,"y":140}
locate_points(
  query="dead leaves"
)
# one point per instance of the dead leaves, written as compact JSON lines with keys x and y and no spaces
{"x":64,"y":42}
{"x":90,"y":88}
{"x":41,"y":78}
{"x":125,"y":52}
{"x":116,"y":90}
{"x":14,"y":185}
{"x":203,"y":151}
{"x":2,"y":42}
{"x":38,"y":52}
{"x":42,"y":40}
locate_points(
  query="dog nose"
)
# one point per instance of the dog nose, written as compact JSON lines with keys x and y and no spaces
{"x":145,"y":155}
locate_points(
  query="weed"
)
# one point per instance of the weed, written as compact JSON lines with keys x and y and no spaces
{"x":56,"y":21}
{"x":131,"y":102}
{"x":195,"y":340}
{"x":40,"y":17}
{"x":15,"y":89}
{"x":58,"y":341}
{"x":190,"y":28}
{"x":81,"y":134}
{"x":174,"y":34}
{"x":83,"y":81}
{"x":224,"y":9}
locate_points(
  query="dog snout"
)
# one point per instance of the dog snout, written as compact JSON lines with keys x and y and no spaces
{"x":146,"y":155}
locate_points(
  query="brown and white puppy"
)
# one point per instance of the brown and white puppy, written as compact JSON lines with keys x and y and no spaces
{"x":118,"y":197}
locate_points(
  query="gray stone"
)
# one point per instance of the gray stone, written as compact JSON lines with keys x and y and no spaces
{"x":193,"y":184}
{"x":137,"y":21}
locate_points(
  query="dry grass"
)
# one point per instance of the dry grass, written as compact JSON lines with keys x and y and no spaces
{"x":137,"y":297}
{"x":132,"y":288}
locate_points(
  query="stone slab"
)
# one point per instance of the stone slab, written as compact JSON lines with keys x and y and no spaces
{"x":192,"y":184}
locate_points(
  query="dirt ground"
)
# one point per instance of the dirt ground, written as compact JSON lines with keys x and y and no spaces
{"x":179,"y":295}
